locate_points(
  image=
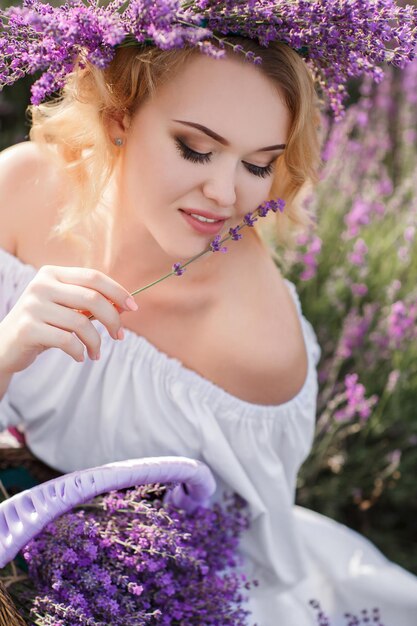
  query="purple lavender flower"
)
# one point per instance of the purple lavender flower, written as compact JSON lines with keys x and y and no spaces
{"x":309,"y":257}
{"x":359,"y":289}
{"x":357,"y":217}
{"x":273,"y":205}
{"x":409,"y":233}
{"x":335,"y":43}
{"x":234,"y":233}
{"x":215,"y":245}
{"x":277,"y":205}
{"x":365,"y":616}
{"x":401,"y":322}
{"x":135,"y":561}
{"x":357,"y":256}
{"x":177,"y":269}
{"x":249,"y":219}
{"x":355,"y":329}
{"x":357,"y":404}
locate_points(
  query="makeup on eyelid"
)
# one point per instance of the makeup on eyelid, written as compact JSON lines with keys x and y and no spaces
{"x":201,"y":157}
{"x":222,"y":140}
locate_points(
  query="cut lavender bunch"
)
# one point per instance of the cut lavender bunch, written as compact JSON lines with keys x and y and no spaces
{"x":338,"y":40}
{"x":125,"y":559}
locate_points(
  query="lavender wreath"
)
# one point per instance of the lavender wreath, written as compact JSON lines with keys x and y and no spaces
{"x":339,"y":39}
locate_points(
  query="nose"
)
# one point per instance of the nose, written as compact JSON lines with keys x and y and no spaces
{"x":221,"y":187}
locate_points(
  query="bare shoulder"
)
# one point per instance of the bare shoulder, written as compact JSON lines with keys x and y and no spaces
{"x":261,"y":354}
{"x":29,"y":188}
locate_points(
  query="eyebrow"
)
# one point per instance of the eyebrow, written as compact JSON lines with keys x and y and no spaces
{"x":224,"y":141}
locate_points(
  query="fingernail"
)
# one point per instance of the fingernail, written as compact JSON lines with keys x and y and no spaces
{"x":97,"y":356}
{"x":131,"y":304}
{"x":121,"y":334}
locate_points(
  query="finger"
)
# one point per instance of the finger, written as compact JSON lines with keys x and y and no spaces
{"x":91,"y":316}
{"x":53,"y":337}
{"x":73,"y":321}
{"x":96,"y":280}
{"x":80,"y":299}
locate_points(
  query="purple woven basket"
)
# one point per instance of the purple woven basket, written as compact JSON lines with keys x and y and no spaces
{"x":24,"y":515}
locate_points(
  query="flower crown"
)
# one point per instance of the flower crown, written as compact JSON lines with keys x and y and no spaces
{"x":338,"y":39}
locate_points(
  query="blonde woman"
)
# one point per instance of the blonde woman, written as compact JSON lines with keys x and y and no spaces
{"x":138,"y":166}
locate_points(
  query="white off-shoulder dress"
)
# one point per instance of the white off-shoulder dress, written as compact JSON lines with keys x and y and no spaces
{"x":137,"y":401}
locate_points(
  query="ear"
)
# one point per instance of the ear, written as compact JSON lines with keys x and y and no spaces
{"x":117,"y":124}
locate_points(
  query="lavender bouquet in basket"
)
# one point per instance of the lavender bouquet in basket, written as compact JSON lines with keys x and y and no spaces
{"x":126,"y":559}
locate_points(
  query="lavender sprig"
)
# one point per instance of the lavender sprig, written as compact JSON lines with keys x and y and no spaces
{"x":178,"y":269}
{"x":249,"y":219}
{"x":338,"y":40}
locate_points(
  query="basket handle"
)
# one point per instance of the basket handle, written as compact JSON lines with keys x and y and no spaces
{"x":24,"y":515}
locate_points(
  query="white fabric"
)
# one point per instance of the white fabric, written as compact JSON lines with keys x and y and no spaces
{"x":136,"y":402}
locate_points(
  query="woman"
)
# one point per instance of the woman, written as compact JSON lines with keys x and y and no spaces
{"x":117,"y":185}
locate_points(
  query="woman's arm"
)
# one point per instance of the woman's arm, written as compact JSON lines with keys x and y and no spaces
{"x":14,"y":171}
{"x":16,"y":168}
{"x":49,"y":312}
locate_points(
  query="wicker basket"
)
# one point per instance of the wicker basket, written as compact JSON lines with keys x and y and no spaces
{"x":22,"y":458}
{"x":9,"y":615}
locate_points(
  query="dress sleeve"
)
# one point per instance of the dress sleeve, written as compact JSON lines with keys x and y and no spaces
{"x":14,"y":277}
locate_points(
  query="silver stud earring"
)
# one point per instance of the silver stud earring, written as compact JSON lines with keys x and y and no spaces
{"x":118,"y":141}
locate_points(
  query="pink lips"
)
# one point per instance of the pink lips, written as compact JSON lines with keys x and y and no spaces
{"x":209,"y":216}
{"x":204,"y":227}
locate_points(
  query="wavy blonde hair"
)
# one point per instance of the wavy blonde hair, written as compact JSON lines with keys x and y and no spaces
{"x":74,"y":125}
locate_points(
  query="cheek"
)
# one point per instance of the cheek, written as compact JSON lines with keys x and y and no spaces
{"x":252,"y":192}
{"x":181,"y":180}
{"x":144,"y":171}
{"x":164,"y":173}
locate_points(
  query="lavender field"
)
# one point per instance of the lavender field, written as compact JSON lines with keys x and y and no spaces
{"x":356,"y":274}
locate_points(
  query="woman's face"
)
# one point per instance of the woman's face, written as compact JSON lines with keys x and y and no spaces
{"x":206,"y":141}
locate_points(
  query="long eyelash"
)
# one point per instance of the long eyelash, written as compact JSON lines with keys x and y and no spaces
{"x":191,"y":155}
{"x":198,"y":157}
{"x":262,"y":172}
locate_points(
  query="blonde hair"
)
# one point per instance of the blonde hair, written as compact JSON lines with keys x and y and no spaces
{"x":74,"y":125}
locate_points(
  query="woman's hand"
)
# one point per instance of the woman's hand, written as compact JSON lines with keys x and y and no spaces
{"x":53,"y":311}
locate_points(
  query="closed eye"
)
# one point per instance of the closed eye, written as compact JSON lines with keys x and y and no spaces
{"x":200,"y":157}
{"x":191,"y":155}
{"x":263,"y":172}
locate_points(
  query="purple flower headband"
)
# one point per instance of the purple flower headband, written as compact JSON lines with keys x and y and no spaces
{"x":339,"y":39}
